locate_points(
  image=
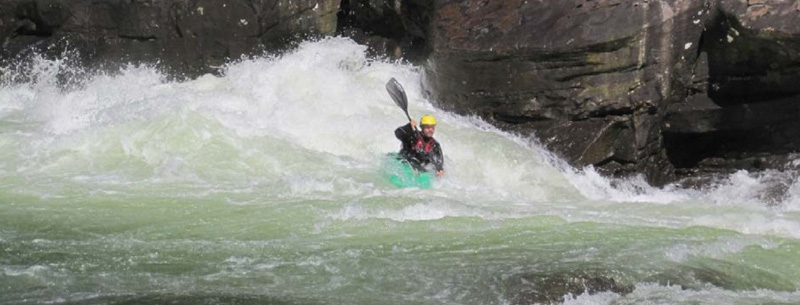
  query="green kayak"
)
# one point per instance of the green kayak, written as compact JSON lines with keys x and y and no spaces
{"x":403,"y":175}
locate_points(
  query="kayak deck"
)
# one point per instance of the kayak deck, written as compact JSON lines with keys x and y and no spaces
{"x":403,"y":175}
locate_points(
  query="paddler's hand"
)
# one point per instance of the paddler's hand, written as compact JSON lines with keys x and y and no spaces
{"x":440,"y":173}
{"x":413,"y":124}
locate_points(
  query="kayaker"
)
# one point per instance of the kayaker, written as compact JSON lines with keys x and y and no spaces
{"x":420,"y":149}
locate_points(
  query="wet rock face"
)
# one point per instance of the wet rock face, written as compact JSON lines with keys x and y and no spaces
{"x":590,"y":79}
{"x":192,"y":37}
{"x":743,"y":109}
{"x":625,"y":86}
{"x":393,"y":29}
{"x":187,"y":37}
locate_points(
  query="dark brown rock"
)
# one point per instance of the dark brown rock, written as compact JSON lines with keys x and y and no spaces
{"x":390,"y":28}
{"x":185,"y":37}
{"x":543,"y":68}
{"x":626,"y":86}
{"x":744,"y":105}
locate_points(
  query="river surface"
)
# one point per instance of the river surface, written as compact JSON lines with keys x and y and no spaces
{"x":264,"y":186}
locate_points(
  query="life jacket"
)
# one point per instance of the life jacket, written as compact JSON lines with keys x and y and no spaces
{"x":424,"y":146}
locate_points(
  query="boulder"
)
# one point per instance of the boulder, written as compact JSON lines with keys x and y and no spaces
{"x":550,"y":288}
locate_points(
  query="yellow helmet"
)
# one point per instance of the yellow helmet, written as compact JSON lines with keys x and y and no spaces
{"x":427,"y":120}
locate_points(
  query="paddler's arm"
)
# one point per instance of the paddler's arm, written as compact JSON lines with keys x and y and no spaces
{"x":406,"y":133}
{"x":438,"y":160}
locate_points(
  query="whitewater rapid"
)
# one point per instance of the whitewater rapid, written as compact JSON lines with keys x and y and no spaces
{"x":266,"y":180}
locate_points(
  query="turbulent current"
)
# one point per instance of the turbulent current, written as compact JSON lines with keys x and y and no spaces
{"x":264,"y":186}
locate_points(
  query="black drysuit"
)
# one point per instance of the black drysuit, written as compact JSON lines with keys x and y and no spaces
{"x":420,"y":153}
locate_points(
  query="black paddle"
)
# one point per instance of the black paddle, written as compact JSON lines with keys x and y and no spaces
{"x":398,"y":95}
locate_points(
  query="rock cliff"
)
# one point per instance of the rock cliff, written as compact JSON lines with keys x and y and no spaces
{"x":627,"y":86}
{"x":186,"y":37}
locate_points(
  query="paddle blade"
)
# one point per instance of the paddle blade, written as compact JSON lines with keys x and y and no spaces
{"x":398,"y":94}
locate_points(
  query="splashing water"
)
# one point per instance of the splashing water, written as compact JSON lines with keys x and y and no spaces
{"x":264,"y":186}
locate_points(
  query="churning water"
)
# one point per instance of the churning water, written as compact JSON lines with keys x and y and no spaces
{"x":264,"y":186}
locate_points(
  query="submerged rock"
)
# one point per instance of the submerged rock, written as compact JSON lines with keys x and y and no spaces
{"x":552,"y":287}
{"x":697,"y":275}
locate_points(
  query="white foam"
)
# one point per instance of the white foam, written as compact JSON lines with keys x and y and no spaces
{"x":719,"y":249}
{"x":314,"y":123}
{"x":646,"y":293}
{"x":31,"y":271}
{"x":751,"y":223}
{"x":597,"y":187}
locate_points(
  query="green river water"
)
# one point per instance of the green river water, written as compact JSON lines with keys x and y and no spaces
{"x":264,"y":186}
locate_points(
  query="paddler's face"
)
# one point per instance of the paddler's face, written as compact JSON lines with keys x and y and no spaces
{"x":428,"y":130}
